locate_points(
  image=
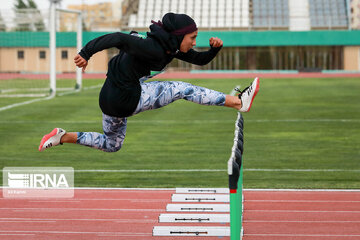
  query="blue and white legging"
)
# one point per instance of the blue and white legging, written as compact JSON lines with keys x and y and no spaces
{"x":154,"y":95}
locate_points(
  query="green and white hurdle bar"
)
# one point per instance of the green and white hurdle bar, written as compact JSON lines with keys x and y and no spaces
{"x":227,"y":208}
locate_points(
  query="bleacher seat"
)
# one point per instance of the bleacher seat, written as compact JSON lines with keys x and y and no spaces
{"x":270,"y":14}
{"x":189,"y":4}
{"x":222,"y":14}
{"x":174,"y":6}
{"x":165,"y":7}
{"x":182,"y":6}
{"x":132,"y":21}
{"x":328,"y":14}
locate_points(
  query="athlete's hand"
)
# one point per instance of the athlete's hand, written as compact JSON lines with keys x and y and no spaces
{"x":215,"y":42}
{"x":80,"y":62}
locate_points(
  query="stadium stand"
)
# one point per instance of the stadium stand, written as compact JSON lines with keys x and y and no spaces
{"x":299,"y":15}
{"x":290,"y":15}
{"x":328,"y":14}
{"x":208,"y":14}
{"x":270,"y":14}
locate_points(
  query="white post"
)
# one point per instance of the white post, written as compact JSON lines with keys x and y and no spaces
{"x":52,"y":45}
{"x":78,"y":43}
{"x":78,"y":47}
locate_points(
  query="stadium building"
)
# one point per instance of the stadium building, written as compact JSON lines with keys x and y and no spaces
{"x":289,"y":35}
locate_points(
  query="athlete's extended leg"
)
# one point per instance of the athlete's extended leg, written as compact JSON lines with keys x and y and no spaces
{"x":111,"y":141}
{"x":159,"y":94}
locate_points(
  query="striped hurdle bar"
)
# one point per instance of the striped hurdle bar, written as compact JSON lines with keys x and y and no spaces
{"x":209,"y":205}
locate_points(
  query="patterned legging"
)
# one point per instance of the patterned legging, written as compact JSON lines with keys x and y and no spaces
{"x":154,"y":95}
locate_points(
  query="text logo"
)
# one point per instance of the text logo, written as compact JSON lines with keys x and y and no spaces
{"x":38,"y":182}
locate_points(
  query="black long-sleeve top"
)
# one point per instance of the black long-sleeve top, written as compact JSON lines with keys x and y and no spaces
{"x":121,"y":91}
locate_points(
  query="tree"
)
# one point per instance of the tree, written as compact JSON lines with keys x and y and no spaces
{"x":2,"y":24}
{"x":21,"y":16}
{"x":28,"y":16}
{"x":36,"y":16}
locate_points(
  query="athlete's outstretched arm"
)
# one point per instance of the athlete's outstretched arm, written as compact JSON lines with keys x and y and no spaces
{"x":202,"y":58}
{"x":131,"y":44}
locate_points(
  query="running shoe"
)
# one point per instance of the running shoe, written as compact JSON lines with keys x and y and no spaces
{"x":248,"y":94}
{"x":51,"y":139}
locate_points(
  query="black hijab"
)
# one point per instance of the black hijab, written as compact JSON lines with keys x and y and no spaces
{"x":171,"y":31}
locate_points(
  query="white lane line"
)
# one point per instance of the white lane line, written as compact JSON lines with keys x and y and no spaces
{"x":299,"y":190}
{"x":71,"y":219}
{"x":303,"y":211}
{"x":192,"y":121}
{"x":110,"y":189}
{"x":57,"y":201}
{"x":69,"y":232}
{"x":216,"y":170}
{"x":82,"y":220}
{"x":125,"y":235}
{"x":24,"y":103}
{"x":26,"y":221}
{"x":216,"y":208}
{"x":202,"y":170}
{"x":77,"y":91}
{"x":82,"y":209}
{"x":43,"y":99}
{"x":299,"y":170}
{"x":301,"y":235}
{"x":23,"y":95}
{"x":99,"y":199}
{"x":302,"y":201}
{"x":305,"y":221}
{"x":210,"y":170}
{"x":149,"y":170}
{"x":17,"y":234}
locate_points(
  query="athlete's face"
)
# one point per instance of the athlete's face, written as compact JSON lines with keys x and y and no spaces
{"x":188,"y":42}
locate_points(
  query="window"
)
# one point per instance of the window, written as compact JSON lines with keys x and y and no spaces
{"x":42,"y":54}
{"x":20,"y":54}
{"x":64,"y":54}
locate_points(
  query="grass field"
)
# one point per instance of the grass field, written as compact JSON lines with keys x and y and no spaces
{"x":300,"y":133}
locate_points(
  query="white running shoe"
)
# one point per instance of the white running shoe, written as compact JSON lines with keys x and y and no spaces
{"x":248,"y":94}
{"x":51,"y":139}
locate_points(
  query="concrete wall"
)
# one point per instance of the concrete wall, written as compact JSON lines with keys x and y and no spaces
{"x":32,"y":62}
{"x":351,"y":58}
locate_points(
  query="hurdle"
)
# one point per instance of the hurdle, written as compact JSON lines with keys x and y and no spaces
{"x":235,"y":172}
{"x":210,"y":205}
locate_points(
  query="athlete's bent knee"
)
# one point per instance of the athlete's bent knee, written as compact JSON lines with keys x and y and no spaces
{"x":112,"y":149}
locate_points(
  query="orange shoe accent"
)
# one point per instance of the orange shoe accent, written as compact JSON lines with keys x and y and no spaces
{"x":46,"y":137}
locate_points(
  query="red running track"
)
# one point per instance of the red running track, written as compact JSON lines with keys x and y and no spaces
{"x":132,"y":214}
{"x":300,"y":215}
